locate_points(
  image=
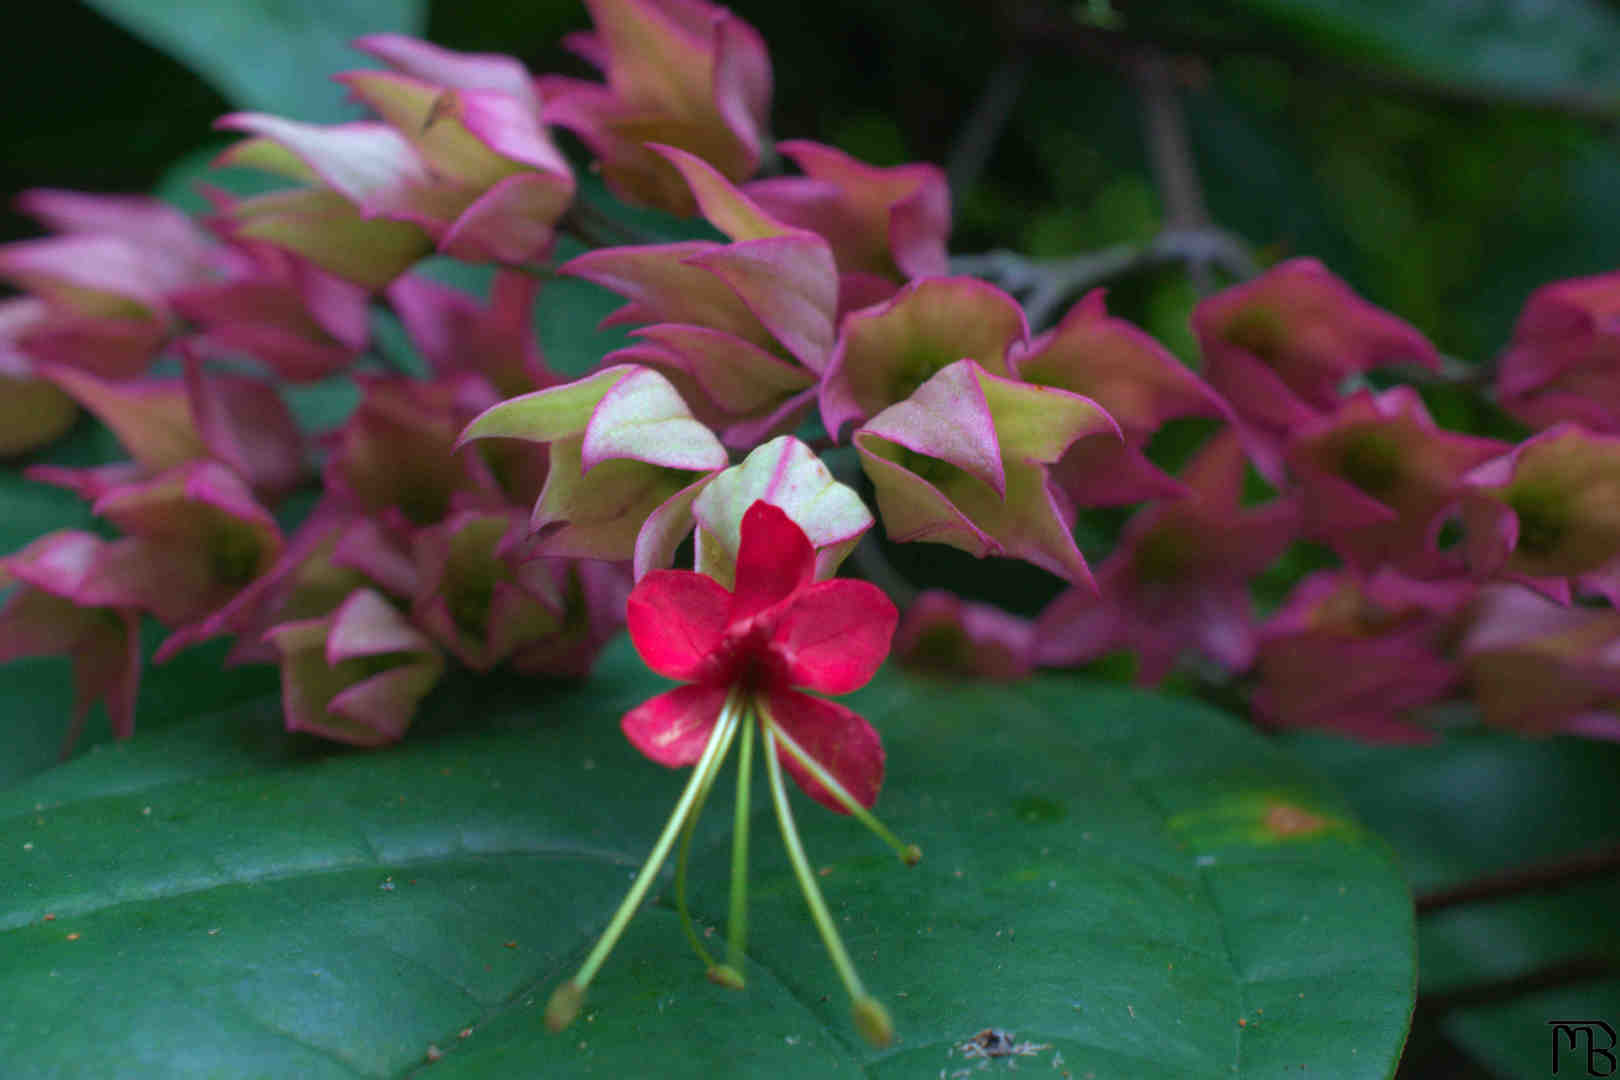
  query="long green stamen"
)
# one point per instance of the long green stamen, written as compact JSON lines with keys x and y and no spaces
{"x":737,"y":920}
{"x":681,"y":858}
{"x":870,"y":1017}
{"x":567,"y":998}
{"x":910,"y":854}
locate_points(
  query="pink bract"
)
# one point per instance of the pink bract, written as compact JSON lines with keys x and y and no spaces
{"x":287,"y":313}
{"x":1378,"y":477}
{"x":1564,"y":362}
{"x":471,"y":600}
{"x":196,"y":537}
{"x":1278,"y":348}
{"x":1547,"y":512}
{"x":941,"y":634}
{"x":356,"y":675}
{"x":1178,"y":580}
{"x":887,"y":351}
{"x":1132,"y":376}
{"x":49,"y":612}
{"x":773,"y":286}
{"x":889,"y":222}
{"x":33,"y":412}
{"x":1360,"y":656}
{"x":1540,"y":668}
{"x":965,"y":461}
{"x":680,"y":72}
{"x":458,"y":336}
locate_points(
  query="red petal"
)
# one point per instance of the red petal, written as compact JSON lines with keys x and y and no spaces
{"x":840,"y":740}
{"x":676,"y":618}
{"x":835,"y":634}
{"x":673,"y":727}
{"x":774,"y":560}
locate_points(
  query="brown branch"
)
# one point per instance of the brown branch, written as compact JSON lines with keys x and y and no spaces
{"x":971,"y":150}
{"x":1044,"y":284}
{"x":1538,"y":877}
{"x":595,"y":229}
{"x":1175,"y":171}
{"x":1551,"y":977}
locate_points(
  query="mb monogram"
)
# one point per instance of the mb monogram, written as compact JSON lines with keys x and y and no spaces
{"x":1587,"y":1045}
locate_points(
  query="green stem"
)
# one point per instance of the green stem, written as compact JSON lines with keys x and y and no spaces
{"x":910,"y":854}
{"x":702,"y":776}
{"x":807,"y":878}
{"x":737,"y":921}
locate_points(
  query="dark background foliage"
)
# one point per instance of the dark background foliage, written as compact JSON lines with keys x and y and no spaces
{"x":1444,"y":158}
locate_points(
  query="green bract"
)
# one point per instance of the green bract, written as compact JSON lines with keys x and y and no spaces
{"x":627,"y":459}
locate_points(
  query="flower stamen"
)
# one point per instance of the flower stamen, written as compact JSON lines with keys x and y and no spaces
{"x":910,"y":854}
{"x":737,"y":917}
{"x":566,"y":999}
{"x":681,"y":859}
{"x":871,"y":1018}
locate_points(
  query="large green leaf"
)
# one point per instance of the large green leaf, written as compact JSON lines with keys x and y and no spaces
{"x":1485,"y":803}
{"x":1136,"y":884}
{"x":271,"y":55}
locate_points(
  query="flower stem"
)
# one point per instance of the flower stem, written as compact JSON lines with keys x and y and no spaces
{"x":737,"y":920}
{"x":566,"y":999}
{"x":870,"y":1016}
{"x":910,"y":854}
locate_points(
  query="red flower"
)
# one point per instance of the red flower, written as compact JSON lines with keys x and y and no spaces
{"x":780,"y":632}
{"x":745,"y":654}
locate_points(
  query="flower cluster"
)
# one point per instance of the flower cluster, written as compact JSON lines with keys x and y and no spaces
{"x":185,"y":337}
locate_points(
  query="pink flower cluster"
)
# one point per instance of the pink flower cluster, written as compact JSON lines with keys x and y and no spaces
{"x":183,"y":338}
{"x":491,"y":511}
{"x":1460,"y":555}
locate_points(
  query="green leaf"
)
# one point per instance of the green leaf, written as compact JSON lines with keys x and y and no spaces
{"x":1487,"y":803}
{"x":1535,"y":50}
{"x":272,"y":55}
{"x":1116,"y":878}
